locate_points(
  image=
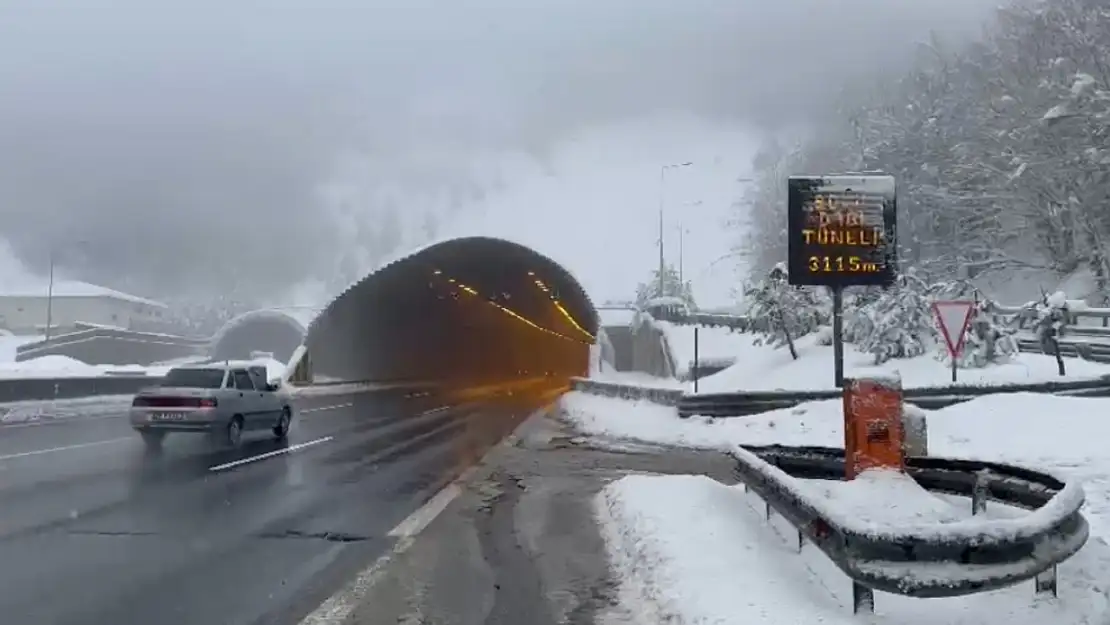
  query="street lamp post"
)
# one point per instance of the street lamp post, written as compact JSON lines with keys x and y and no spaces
{"x":50,"y":296}
{"x":682,"y":230}
{"x":50,"y":287}
{"x":662,"y":192}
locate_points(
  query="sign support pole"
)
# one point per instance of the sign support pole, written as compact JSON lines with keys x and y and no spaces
{"x":838,"y":335}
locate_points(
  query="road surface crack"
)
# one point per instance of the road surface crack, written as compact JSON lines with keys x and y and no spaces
{"x":110,"y":533}
{"x":335,"y":537}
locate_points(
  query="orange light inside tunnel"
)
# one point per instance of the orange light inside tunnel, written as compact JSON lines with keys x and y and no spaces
{"x":563,"y":311}
{"x":473,"y":292}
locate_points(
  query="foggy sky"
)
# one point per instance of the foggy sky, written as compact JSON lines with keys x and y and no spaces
{"x":150,"y":141}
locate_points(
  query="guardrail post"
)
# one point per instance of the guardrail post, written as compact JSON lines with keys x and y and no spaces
{"x":980,"y":492}
{"x":1046,"y":581}
{"x":873,"y":430}
{"x":863,"y":599}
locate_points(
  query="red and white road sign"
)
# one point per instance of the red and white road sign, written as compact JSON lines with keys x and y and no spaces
{"x":953,"y":317}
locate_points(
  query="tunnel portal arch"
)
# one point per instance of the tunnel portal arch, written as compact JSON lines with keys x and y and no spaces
{"x":277,"y":331}
{"x":469,"y":309}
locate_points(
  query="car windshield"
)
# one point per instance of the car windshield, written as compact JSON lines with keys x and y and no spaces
{"x":194,"y":378}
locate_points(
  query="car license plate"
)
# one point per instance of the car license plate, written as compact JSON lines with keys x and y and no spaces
{"x":168,"y":416}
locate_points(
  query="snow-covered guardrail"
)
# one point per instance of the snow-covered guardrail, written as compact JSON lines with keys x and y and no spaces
{"x":43,"y":389}
{"x":665,"y":396}
{"x":926,"y":560}
{"x":916,"y":559}
{"x":755,"y":402}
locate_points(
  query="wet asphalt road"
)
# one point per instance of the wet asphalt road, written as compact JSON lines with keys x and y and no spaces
{"x":94,"y":529}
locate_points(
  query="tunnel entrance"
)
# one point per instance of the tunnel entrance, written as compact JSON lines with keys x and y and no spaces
{"x":261,"y":330}
{"x":461,"y":313}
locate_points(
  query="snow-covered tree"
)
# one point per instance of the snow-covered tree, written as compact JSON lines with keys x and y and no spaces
{"x":900,"y":321}
{"x":988,"y":340}
{"x":781,"y":313}
{"x":1001,"y":149}
{"x":672,"y":286}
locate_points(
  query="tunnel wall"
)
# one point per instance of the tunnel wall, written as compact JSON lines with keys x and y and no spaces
{"x":463,"y":310}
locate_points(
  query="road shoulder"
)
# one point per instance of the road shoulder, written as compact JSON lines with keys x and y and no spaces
{"x":520,"y":544}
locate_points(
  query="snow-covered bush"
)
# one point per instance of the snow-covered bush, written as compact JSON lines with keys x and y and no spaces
{"x":1051,"y":317}
{"x":781,"y":312}
{"x":898,"y":323}
{"x":988,"y":339}
{"x":858,"y":323}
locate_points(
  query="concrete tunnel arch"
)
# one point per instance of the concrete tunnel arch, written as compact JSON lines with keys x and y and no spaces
{"x":467,"y":310}
{"x":276,"y":331}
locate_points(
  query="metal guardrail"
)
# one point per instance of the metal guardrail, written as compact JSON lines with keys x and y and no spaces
{"x":947,"y":560}
{"x":753,"y":402}
{"x":1071,"y":348}
{"x":32,"y":389}
{"x":973,"y":556}
{"x":46,"y":389}
{"x":664,"y":396}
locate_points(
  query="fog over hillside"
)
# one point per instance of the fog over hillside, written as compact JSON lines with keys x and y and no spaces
{"x":145,"y":142}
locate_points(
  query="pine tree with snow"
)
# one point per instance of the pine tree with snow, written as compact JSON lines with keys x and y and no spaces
{"x":781,"y":313}
{"x":672,"y":286}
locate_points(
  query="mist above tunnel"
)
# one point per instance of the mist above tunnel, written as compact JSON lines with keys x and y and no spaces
{"x":464,"y":311}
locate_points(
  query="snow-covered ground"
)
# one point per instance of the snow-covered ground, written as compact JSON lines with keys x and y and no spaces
{"x":767,"y":368}
{"x":23,"y":412}
{"x":701,"y":552}
{"x":55,"y":366}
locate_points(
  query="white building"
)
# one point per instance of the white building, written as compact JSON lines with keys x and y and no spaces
{"x":23,"y":308}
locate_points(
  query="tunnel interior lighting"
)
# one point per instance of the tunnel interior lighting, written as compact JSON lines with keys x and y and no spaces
{"x":562,"y":310}
{"x":512,"y":313}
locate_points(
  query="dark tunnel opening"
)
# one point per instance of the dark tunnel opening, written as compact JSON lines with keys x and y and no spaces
{"x":460,"y":313}
{"x":261,"y":330}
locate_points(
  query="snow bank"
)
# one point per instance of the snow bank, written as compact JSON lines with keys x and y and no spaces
{"x":765,"y":368}
{"x":1063,"y":435}
{"x":917,"y":514}
{"x":691,"y":551}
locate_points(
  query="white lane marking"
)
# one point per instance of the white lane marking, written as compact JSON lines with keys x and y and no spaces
{"x":321,"y":408}
{"x":269,"y":454}
{"x":39,"y":452}
{"x":435,"y":410}
{"x":339,"y":606}
{"x":417,"y":521}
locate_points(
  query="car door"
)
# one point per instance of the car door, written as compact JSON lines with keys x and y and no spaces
{"x":252,"y":408}
{"x":271,"y":403}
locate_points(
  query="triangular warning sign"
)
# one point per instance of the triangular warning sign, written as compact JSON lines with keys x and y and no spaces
{"x":953,"y":318}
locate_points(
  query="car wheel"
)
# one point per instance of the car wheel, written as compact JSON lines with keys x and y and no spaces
{"x":234,"y":434}
{"x":153,"y":440}
{"x":281,"y":430}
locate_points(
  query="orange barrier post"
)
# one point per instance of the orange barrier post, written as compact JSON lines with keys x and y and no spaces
{"x":873,"y":432}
